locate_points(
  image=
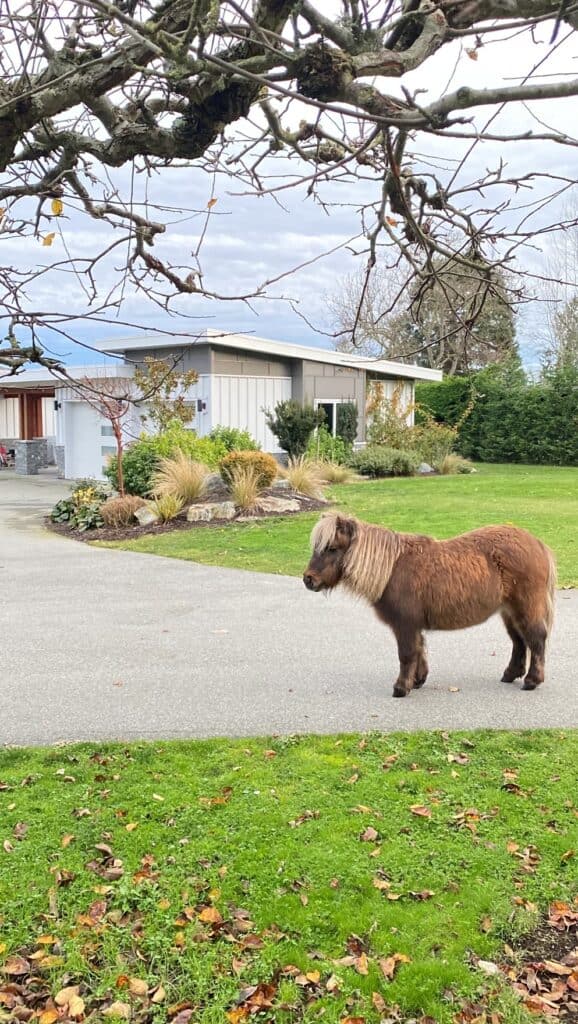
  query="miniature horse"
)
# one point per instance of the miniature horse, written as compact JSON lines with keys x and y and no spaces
{"x":417,"y":583}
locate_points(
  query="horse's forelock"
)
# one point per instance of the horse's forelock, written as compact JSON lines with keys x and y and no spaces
{"x":323,"y":533}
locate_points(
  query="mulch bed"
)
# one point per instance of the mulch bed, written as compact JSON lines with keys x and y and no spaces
{"x":120,"y":533}
{"x":545,"y":975}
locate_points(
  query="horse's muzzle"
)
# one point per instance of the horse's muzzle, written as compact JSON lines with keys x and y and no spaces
{"x":311,"y":583}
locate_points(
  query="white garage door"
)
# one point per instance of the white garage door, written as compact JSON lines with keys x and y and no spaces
{"x":83,"y":442}
{"x":242,"y":401}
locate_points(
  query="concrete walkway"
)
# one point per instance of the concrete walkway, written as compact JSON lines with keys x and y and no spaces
{"x":101,"y":644}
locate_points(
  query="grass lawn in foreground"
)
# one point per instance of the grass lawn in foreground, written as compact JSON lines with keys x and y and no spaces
{"x":340,"y":874}
{"x":542,"y":499}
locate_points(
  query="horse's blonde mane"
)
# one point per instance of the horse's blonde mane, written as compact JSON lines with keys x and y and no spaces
{"x":370,"y":558}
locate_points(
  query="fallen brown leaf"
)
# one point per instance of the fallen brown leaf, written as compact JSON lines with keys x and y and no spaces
{"x":117,"y":1009}
{"x":138,"y":987}
{"x":370,"y":835}
{"x":420,"y":811}
{"x":15,"y":966}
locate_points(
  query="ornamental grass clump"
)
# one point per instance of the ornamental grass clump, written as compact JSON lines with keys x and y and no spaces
{"x":180,"y":476}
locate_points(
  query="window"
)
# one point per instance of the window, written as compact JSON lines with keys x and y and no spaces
{"x":106,"y":430}
{"x":107,"y":450}
{"x":329,"y":406}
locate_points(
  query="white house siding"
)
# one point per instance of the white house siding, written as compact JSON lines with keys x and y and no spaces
{"x":9,"y":418}
{"x":242,"y":402}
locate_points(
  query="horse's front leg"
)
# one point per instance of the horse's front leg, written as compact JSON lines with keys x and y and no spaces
{"x":422,"y":667}
{"x":408,"y":648}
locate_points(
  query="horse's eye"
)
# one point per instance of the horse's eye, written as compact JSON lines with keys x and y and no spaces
{"x":332,"y":549}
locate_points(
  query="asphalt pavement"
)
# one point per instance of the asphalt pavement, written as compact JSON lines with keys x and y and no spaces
{"x":99,"y":644}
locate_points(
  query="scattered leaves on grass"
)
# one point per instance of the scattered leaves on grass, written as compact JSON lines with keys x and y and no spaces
{"x":217,"y":801}
{"x":305,"y":816}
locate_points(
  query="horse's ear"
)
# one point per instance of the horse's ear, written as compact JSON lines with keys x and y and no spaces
{"x":345,"y":527}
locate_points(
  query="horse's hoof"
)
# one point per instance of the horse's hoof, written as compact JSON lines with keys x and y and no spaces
{"x":419,"y":683}
{"x":399,"y":691}
{"x":508,"y":678}
{"x":529,"y":684}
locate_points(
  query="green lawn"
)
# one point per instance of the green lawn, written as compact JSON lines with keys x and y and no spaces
{"x":300,"y":865}
{"x":539,"y":498}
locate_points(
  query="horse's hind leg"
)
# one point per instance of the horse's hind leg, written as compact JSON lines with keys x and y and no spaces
{"x":408,"y":647}
{"x":517,"y":665}
{"x":422,"y":667}
{"x":535,"y":635}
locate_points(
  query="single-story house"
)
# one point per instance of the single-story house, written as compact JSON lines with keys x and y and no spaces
{"x":239,"y":377}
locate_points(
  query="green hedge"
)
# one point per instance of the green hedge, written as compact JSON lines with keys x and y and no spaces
{"x":512,"y":419}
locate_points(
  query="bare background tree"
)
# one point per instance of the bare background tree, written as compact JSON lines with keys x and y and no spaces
{"x":461,"y":322}
{"x":98,"y":98}
{"x":559,"y":292}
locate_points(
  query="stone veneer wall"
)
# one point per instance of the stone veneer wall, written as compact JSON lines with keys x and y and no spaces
{"x":59,"y":454}
{"x":31,"y":456}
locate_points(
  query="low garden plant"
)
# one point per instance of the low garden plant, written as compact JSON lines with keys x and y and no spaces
{"x":378,"y":461}
{"x":322,"y":446}
{"x":83,"y":510}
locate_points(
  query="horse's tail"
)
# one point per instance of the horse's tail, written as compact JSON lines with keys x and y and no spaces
{"x":550,"y":590}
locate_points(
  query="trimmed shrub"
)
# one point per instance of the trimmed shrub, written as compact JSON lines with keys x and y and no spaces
{"x":142,"y":458}
{"x":379,"y":461}
{"x":121,"y":511}
{"x":265,"y":466}
{"x":303,"y":476}
{"x":346,"y":425}
{"x":181,"y":477}
{"x":234,"y":440}
{"x":323,"y":446}
{"x":293,"y":424}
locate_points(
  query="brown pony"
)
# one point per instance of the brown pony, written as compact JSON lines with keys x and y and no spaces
{"x":417,"y":583}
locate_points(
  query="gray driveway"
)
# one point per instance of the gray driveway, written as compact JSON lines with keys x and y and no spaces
{"x":102,"y":644}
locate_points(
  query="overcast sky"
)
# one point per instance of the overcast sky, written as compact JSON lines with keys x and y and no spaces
{"x":252,"y":239}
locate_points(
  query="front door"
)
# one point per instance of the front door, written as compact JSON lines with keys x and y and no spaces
{"x":30,"y":417}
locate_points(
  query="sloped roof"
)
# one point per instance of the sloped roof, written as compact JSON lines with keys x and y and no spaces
{"x":266,"y":346}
